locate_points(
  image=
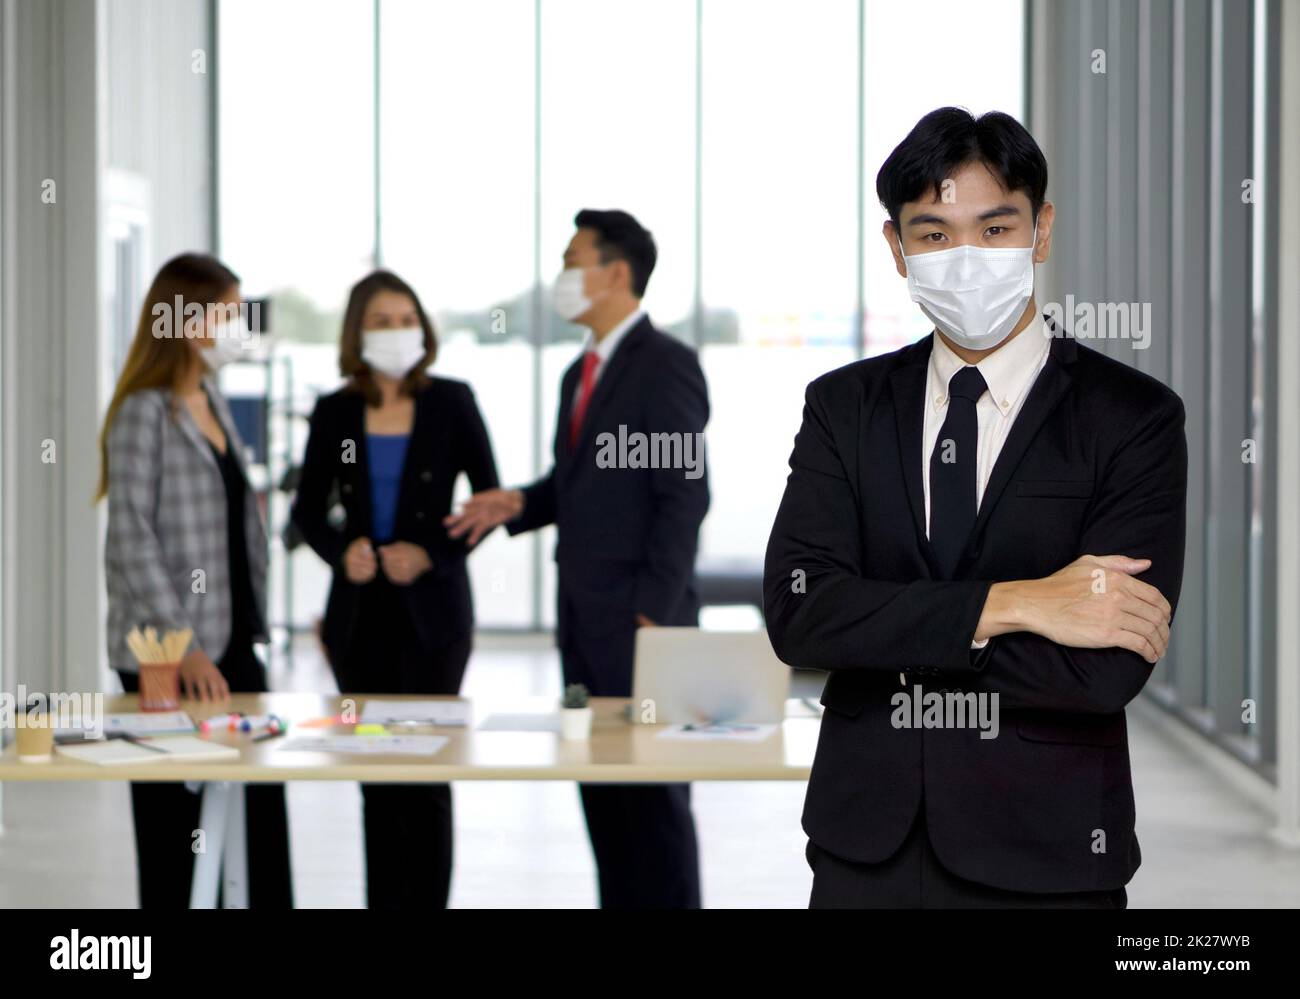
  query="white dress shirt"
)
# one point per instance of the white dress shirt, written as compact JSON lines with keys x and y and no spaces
{"x":605,"y":347}
{"x":1008,"y":372}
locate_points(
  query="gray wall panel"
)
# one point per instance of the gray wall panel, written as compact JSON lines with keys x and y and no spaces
{"x":1148,"y":160}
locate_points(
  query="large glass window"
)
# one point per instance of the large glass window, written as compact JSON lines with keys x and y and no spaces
{"x":456,"y":198}
{"x":617,"y":131}
{"x":745,"y":134}
{"x":779,"y":218}
{"x":296,"y":145}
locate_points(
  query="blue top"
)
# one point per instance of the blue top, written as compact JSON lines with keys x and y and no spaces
{"x":387,"y":453}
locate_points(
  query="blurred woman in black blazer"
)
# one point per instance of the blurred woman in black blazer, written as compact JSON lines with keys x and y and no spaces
{"x":388,"y":447}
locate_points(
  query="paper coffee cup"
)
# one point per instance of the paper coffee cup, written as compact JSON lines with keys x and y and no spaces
{"x":35,"y":737}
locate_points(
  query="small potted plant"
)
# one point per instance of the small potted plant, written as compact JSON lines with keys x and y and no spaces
{"x":575,"y":712}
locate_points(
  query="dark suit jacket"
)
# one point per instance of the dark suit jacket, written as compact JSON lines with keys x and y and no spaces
{"x":627,"y":537}
{"x":447,"y":438}
{"x":1096,"y":463}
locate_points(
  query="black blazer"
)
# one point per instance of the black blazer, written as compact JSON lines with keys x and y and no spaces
{"x":447,"y":437}
{"x":1096,"y":463}
{"x":627,"y":537}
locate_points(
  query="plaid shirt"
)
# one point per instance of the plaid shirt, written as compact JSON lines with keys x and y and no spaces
{"x":166,"y":554}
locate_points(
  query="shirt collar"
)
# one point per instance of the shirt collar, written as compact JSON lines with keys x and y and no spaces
{"x":605,"y":348}
{"x":1008,"y":371}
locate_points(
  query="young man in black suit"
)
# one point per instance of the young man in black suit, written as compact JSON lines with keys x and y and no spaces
{"x":628,"y":529}
{"x":991,"y":518}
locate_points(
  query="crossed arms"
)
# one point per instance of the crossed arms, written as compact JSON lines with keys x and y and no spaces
{"x":1082,"y":639}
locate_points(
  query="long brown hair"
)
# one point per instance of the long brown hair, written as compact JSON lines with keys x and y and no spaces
{"x":160,"y":355}
{"x":351,"y":366}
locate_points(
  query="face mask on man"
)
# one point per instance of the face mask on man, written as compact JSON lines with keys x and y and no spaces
{"x":569,"y":296}
{"x":228,"y":341}
{"x":973,"y":294}
{"x":393,"y":352}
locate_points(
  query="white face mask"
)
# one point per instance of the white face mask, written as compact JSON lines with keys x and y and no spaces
{"x":393,"y":352}
{"x":973,"y":294}
{"x":229,"y":340}
{"x":569,"y":296}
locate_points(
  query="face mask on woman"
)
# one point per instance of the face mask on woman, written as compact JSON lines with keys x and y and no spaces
{"x":228,"y":340}
{"x":393,"y":352}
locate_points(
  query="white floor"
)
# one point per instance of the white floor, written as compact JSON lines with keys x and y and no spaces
{"x":523,"y":844}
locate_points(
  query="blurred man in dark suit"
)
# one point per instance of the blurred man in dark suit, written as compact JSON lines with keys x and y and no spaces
{"x":627,"y":493}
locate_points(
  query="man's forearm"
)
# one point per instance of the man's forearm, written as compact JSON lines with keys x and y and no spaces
{"x":1083,"y":640}
{"x":1095,"y":602}
{"x":1002,"y":612}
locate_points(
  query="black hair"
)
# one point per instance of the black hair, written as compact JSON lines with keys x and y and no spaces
{"x":948,"y":138}
{"x":621,"y":237}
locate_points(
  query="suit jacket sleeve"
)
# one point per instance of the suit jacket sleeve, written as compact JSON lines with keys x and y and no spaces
{"x":678,"y":403}
{"x":315,"y":488}
{"x":1140,"y":511}
{"x":474,"y":455}
{"x":539,"y":497}
{"x":132,"y":546}
{"x":823,"y":607}
{"x":539,"y":506}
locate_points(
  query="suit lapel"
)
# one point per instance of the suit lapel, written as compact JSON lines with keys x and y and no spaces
{"x":568,"y":395}
{"x":191,"y":431}
{"x":419,"y":442}
{"x":221,"y":410}
{"x":606,"y":382}
{"x":1052,"y":383}
{"x":255,"y":527}
{"x":356,"y":431}
{"x":908,"y":385}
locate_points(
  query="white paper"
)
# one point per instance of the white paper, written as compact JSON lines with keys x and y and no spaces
{"x":722,"y":732}
{"x":526,"y":722}
{"x":450,"y":713}
{"x":148,"y":722}
{"x":367,"y":745}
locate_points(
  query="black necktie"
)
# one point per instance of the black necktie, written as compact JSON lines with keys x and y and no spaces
{"x":952,"y":470}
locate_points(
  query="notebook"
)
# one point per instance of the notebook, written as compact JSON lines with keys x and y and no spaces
{"x":119,"y":752}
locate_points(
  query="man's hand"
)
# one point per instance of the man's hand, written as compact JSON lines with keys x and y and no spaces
{"x":359,"y":562}
{"x":404,"y":562}
{"x":200,"y":678}
{"x":1092,"y":603}
{"x":644,"y":622}
{"x":484,"y":511}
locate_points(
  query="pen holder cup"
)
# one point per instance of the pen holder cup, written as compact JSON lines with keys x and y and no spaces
{"x":160,"y":686}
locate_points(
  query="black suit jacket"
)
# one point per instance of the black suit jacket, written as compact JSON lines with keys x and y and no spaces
{"x":1096,"y":463}
{"x":627,"y":537}
{"x":447,"y":438}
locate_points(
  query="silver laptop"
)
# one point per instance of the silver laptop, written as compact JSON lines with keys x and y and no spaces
{"x":687,"y":675}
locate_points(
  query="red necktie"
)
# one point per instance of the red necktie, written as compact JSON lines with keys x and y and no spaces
{"x":590,"y":361}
